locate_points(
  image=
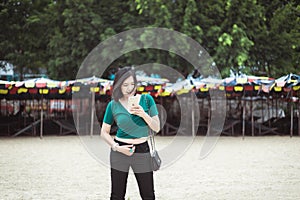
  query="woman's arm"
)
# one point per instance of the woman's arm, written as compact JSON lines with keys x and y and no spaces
{"x":125,"y":149}
{"x":153,"y":122}
{"x":105,"y":130}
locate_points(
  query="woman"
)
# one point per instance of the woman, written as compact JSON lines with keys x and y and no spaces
{"x":129,"y":148}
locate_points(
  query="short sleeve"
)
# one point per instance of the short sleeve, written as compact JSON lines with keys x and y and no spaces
{"x":152,"y":105}
{"x":108,"y":116}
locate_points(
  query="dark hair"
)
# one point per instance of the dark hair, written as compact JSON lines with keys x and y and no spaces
{"x":120,"y":77}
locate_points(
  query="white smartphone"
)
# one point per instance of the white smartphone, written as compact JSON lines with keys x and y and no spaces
{"x":134,"y":100}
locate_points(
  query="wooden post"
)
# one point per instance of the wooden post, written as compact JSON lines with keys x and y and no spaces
{"x":66,"y":108}
{"x":292,"y":120}
{"x":77,"y":119}
{"x":244,"y":114}
{"x":208,"y":117}
{"x":262,"y":115}
{"x":162,"y":125}
{"x":92,"y":114}
{"x":268,"y":108}
{"x":193,"y":115}
{"x":6,"y":108}
{"x":252,"y":117}
{"x":41,"y":125}
{"x":276,"y":104}
{"x":298,"y":117}
{"x":34,"y":115}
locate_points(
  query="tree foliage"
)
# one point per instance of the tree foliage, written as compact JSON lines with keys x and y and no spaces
{"x":259,"y":37}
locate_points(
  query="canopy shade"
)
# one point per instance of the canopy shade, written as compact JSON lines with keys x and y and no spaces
{"x":233,"y":86}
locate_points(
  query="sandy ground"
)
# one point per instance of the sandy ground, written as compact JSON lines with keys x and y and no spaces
{"x":62,"y":168}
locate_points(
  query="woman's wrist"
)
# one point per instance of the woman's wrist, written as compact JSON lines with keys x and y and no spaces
{"x":115,"y":146}
{"x":151,"y":121}
{"x":146,"y":116}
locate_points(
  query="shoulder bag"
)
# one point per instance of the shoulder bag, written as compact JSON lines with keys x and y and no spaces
{"x":155,"y":159}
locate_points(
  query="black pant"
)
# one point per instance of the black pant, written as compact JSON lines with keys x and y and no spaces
{"x":140,"y":164}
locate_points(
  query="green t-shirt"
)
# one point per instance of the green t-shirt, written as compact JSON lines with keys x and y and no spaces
{"x":130,"y":125}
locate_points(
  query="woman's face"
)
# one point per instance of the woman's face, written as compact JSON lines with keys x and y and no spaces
{"x":128,"y":87}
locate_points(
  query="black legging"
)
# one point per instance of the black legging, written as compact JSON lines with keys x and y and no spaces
{"x":140,"y":164}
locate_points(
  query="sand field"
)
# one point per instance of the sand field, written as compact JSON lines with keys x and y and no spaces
{"x":60,"y":167}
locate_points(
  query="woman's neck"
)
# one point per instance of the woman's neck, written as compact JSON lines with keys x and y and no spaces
{"x":124,"y":99}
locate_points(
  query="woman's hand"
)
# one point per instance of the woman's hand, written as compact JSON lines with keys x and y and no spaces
{"x":126,"y":149}
{"x":153,"y":122}
{"x":137,"y":110}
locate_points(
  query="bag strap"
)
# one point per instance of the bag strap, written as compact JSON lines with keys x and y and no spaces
{"x":151,"y":134}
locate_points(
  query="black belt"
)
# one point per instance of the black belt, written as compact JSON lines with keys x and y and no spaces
{"x":139,"y":148}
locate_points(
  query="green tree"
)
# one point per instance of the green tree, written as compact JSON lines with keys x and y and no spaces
{"x":276,"y":51}
{"x":236,"y":35}
{"x":75,"y":30}
{"x":21,"y":42}
{"x":251,"y":36}
{"x":178,"y":15}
